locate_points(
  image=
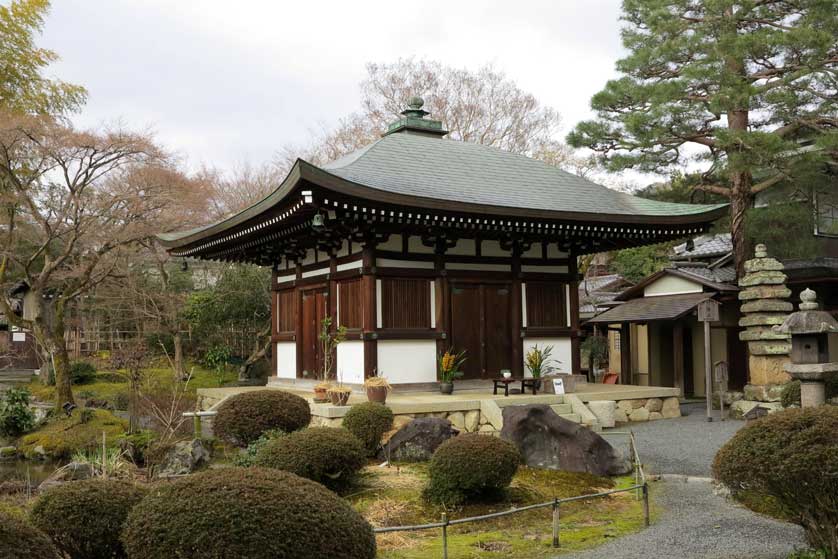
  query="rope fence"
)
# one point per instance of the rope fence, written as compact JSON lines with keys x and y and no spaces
{"x":640,"y":488}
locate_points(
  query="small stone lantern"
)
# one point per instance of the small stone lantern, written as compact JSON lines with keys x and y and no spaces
{"x":809,"y":329}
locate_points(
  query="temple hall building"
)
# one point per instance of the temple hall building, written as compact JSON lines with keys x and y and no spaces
{"x":418,"y":243}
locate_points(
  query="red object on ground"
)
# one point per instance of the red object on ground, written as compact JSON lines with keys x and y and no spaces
{"x":609,"y":378}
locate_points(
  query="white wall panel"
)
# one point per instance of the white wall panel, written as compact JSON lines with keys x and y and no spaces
{"x":403,"y":361}
{"x":286,"y":359}
{"x":350,"y":363}
{"x":561,"y":352}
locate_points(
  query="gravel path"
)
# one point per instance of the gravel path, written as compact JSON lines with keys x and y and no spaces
{"x":693,"y":522}
{"x":696,"y":524}
{"x":684,"y":446}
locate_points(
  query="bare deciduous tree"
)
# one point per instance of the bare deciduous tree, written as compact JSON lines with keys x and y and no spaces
{"x":73,"y":204}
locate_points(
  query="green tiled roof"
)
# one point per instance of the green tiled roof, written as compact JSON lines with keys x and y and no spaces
{"x":429,"y":167}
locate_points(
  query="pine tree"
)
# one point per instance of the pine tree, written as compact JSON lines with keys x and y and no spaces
{"x":731,"y":85}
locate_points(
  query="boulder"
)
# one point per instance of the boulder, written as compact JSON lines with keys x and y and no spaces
{"x":625,"y":406}
{"x":417,"y":441}
{"x":639,"y":414}
{"x":740,"y":408}
{"x":654,"y":404}
{"x":654,"y":416}
{"x":637,"y":403}
{"x":183,"y":458}
{"x":605,"y":411}
{"x":763,"y":392}
{"x":458,"y":420}
{"x":548,"y":441}
{"x":620,"y":416}
{"x":8,"y":453}
{"x":74,"y":471}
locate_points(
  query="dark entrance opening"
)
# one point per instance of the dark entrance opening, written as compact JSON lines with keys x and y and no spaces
{"x":481,"y":324}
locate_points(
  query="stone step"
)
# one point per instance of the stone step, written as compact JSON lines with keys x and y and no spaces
{"x":562,"y":409}
{"x":574,"y":417}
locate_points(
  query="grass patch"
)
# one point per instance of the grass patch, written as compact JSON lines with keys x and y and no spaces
{"x":62,"y":436}
{"x":110,"y":385}
{"x":766,"y":505}
{"x":392,"y":497}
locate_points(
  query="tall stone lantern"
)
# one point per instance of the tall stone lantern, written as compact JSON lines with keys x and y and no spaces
{"x":809,"y":329}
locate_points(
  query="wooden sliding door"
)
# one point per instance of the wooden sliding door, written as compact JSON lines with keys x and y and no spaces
{"x":481,"y":323}
{"x":314,"y":310}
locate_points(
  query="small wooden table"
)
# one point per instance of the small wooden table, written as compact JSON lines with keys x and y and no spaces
{"x":530,"y":383}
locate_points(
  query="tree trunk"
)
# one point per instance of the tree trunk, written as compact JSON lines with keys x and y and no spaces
{"x":258,"y":353}
{"x":61,"y":363}
{"x":177,"y":340}
{"x":740,"y":203}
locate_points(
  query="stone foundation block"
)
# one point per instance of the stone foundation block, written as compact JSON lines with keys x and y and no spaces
{"x":765,"y":292}
{"x":763,"y":265}
{"x":767,"y":305}
{"x":762,"y":319}
{"x":768,"y":277}
{"x":763,"y":392}
{"x":458,"y":420}
{"x":472,"y":420}
{"x":625,"y":405}
{"x":605,"y":411}
{"x":654,"y":416}
{"x":639,"y":414}
{"x":620,"y":416}
{"x":639,"y":403}
{"x":769,"y":348}
{"x":654,"y":404}
{"x":761,"y":334}
{"x":671,"y":408}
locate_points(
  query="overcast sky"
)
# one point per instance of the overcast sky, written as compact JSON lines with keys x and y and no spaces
{"x":223,"y":82}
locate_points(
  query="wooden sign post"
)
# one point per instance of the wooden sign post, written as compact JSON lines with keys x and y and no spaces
{"x":708,"y":311}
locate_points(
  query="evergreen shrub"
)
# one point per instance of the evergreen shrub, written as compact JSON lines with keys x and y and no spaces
{"x":246,"y":512}
{"x":791,"y":456}
{"x":471,"y":467}
{"x":368,"y":422}
{"x":328,"y":455}
{"x":16,"y":417}
{"x":84,"y":518}
{"x":82,"y":372}
{"x":241,"y":419}
{"x":19,"y":540}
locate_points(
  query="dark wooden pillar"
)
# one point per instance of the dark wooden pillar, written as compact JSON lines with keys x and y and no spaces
{"x":625,"y":353}
{"x":332,"y":303}
{"x":575,"y":331}
{"x":298,"y":319}
{"x":678,"y":357}
{"x":442,"y":306}
{"x":274,"y":320}
{"x":368,"y":294}
{"x":517,"y":314}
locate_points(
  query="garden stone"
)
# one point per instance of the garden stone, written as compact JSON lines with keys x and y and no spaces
{"x":605,"y":411}
{"x":183,"y":458}
{"x":654,"y":404}
{"x":38,"y":453}
{"x":771,"y":277}
{"x":548,"y":441}
{"x":671,"y":408}
{"x":8,"y":453}
{"x":654,"y":416}
{"x":763,"y":392}
{"x":417,"y":441}
{"x":741,"y":407}
{"x":763,"y":265}
{"x":765,"y":292}
{"x":767,"y":305}
{"x":472,"y":420}
{"x":74,"y":471}
{"x":639,"y":414}
{"x":625,"y":406}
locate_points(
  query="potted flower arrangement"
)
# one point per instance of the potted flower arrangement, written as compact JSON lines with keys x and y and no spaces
{"x":377,"y":388}
{"x":449,"y":369}
{"x":329,"y":342}
{"x":539,"y":363}
{"x":339,"y":394}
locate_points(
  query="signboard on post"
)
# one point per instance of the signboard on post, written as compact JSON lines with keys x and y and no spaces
{"x":558,"y":386}
{"x":708,"y":311}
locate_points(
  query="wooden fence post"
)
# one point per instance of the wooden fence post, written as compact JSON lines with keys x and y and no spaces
{"x":556,"y":542}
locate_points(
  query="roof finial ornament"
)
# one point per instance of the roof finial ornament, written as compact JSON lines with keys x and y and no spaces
{"x":808,"y":300}
{"x":414,"y":108}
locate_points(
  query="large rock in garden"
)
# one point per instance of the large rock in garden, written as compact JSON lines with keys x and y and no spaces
{"x":74,"y":471}
{"x":183,"y":458}
{"x":546,"y":440}
{"x":417,"y":441}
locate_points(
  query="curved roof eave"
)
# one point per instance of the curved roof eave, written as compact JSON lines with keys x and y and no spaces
{"x":325,"y":179}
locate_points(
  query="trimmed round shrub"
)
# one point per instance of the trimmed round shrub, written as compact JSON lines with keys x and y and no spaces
{"x":790,"y":395}
{"x":792,"y":457}
{"x":328,"y":455}
{"x":246,"y":512}
{"x":84,"y":518}
{"x":242,"y":418}
{"x":82,"y":372}
{"x":368,"y":422}
{"x":19,"y":540}
{"x":471,"y":467}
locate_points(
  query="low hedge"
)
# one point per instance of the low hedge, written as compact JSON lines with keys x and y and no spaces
{"x":246,"y":512}
{"x":19,"y":540}
{"x":368,"y":422}
{"x":84,"y":518}
{"x":241,"y":419}
{"x":471,"y":467}
{"x":792,"y":457}
{"x":327,"y":455}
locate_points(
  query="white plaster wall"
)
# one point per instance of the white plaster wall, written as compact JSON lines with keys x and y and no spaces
{"x":393,"y":243}
{"x":533,"y":252}
{"x":464,"y":247}
{"x":414,"y":244}
{"x":390,"y":263}
{"x":286,"y":359}
{"x":350,"y":363}
{"x":477,"y":267}
{"x":554,"y":252}
{"x":403,"y":361}
{"x":492,"y":248}
{"x":671,"y":285}
{"x":318,"y":272}
{"x":309,"y":257}
{"x":561,"y":352}
{"x":283,"y":279}
{"x":349,"y":265}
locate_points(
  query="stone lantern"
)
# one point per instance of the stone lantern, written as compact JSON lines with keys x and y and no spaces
{"x":809,"y":329}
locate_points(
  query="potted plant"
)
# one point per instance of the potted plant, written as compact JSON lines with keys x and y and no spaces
{"x":329,"y":342}
{"x":539,"y":363}
{"x":449,"y":369}
{"x":339,"y":393}
{"x":377,"y":388}
{"x":596,"y":349}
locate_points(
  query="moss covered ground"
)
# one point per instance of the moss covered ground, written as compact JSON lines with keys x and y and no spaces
{"x":392,"y":496}
{"x":62,"y":436}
